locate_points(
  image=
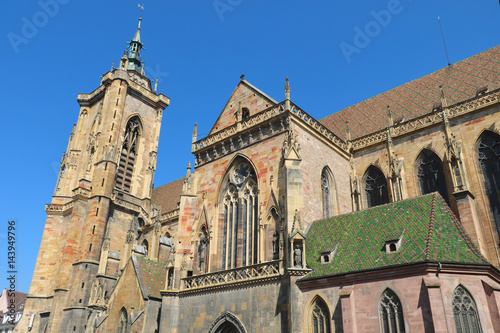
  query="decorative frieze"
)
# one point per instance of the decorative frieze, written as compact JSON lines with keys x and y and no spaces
{"x":429,"y":119}
{"x":59,"y":209}
{"x":227,"y":278}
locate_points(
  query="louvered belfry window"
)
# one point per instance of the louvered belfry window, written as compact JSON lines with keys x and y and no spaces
{"x":128,"y":155}
{"x":465,"y":312}
{"x":489,"y":158}
{"x":431,"y":175}
{"x":375,"y":187}
{"x":391,"y":313}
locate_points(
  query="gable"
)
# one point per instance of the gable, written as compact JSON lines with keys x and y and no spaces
{"x":250,"y":97}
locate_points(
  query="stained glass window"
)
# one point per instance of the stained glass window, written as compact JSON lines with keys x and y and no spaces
{"x":320,"y":317}
{"x":391,"y":313}
{"x":375,"y":187}
{"x":489,"y":158}
{"x":465,"y":312}
{"x":431,"y":175}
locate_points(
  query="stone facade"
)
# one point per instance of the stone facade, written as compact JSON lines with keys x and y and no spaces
{"x":224,"y":248}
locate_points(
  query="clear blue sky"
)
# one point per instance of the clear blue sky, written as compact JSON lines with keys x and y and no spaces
{"x":199,"y":49}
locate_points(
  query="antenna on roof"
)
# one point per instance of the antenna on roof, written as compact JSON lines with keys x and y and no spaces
{"x":445,"y":49}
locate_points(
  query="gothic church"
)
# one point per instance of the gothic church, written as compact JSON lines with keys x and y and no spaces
{"x":382,"y":217}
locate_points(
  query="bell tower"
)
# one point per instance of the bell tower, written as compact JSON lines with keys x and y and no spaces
{"x":103,"y":191}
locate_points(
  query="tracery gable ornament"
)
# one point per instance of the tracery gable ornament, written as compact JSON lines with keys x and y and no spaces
{"x":291,"y":147}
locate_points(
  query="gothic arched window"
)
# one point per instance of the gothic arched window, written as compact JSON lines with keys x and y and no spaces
{"x":320,"y":318}
{"x":240,"y":220}
{"x":391,"y":313}
{"x":375,"y":187}
{"x":122,"y":321}
{"x":430,"y":174}
{"x":489,"y":158}
{"x":128,"y":154}
{"x":326,"y":193}
{"x":465,"y":311}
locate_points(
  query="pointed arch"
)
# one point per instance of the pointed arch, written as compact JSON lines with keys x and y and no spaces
{"x":122,"y":323}
{"x":391,"y":313}
{"x":227,"y":323}
{"x":465,"y":311}
{"x":328,"y":193}
{"x":318,"y":315}
{"x":128,"y":154}
{"x":375,"y":187}
{"x":488,"y":148}
{"x":430,"y":174}
{"x":238,"y":215}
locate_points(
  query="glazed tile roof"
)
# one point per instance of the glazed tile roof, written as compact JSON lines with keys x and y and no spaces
{"x":168,"y":195}
{"x":431,"y":233}
{"x":460,"y":82}
{"x":152,"y":274}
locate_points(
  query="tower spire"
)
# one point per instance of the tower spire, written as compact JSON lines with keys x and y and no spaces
{"x":134,"y":51}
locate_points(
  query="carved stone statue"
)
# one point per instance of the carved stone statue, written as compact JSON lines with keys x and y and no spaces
{"x":202,"y":252}
{"x":276,"y":245}
{"x":297,"y":256}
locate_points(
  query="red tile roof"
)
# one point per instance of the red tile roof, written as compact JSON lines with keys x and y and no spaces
{"x":153,"y":275}
{"x":460,"y":82}
{"x":168,"y":195}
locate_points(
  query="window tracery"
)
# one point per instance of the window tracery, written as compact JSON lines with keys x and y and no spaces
{"x":240,"y":223}
{"x":489,"y":159}
{"x":465,"y":312}
{"x":391,"y":313}
{"x":320,"y":319}
{"x":375,"y":187}
{"x":431,"y":175}
{"x":128,"y":155}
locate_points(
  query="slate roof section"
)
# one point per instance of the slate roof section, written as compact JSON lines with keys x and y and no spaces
{"x":432,"y":233}
{"x":152,"y":274}
{"x":460,"y":82}
{"x":168,"y":195}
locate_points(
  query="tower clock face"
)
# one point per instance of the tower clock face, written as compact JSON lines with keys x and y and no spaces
{"x":241,"y":172}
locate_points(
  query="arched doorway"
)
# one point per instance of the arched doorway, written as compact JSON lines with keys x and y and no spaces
{"x":227,"y":323}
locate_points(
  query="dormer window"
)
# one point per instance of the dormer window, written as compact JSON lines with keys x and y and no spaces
{"x":327,"y":256}
{"x":437,"y":107}
{"x":394,"y":245}
{"x":245,"y":114}
{"x":481,"y":91}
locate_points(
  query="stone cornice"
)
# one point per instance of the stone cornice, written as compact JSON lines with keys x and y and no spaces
{"x":428,"y":120}
{"x":135,"y":89}
{"x":261,"y":126}
{"x":168,"y":216}
{"x":401,"y":271}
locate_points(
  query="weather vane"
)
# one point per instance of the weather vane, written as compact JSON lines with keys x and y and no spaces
{"x":141,"y":7}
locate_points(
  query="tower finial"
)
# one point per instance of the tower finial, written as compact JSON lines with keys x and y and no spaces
{"x":287,"y":94}
{"x":135,"y":46}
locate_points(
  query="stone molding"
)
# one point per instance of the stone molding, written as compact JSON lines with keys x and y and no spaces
{"x":428,"y":120}
{"x":233,"y":278}
{"x":267,"y":123}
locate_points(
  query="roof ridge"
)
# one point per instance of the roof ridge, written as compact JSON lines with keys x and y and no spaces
{"x":431,"y":228}
{"x":462,"y":231}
